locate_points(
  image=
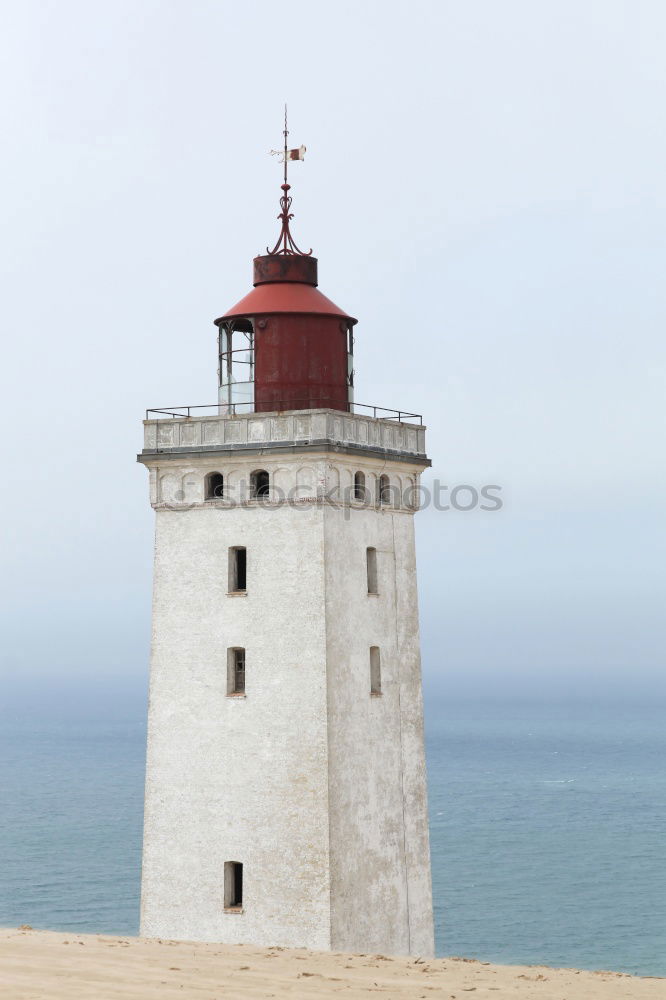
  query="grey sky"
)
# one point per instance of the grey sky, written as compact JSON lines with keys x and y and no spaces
{"x":484,"y":188}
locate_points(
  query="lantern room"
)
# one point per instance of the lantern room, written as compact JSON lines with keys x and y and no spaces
{"x":285,"y":346}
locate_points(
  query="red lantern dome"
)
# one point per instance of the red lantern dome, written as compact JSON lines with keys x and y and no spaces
{"x":286,"y":346}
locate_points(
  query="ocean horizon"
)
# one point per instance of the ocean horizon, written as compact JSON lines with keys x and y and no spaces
{"x":546,"y":823}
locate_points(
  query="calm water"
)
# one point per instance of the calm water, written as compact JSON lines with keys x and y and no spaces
{"x":548,"y":831}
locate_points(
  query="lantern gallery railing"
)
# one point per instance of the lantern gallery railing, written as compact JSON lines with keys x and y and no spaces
{"x":242,"y":408}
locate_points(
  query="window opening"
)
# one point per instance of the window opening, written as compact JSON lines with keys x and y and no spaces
{"x":383,"y":489}
{"x":236,"y":670}
{"x":237,"y":569}
{"x":259,"y":485}
{"x":359,"y":486}
{"x":371,"y":559}
{"x":214,"y":486}
{"x":233,"y":885}
{"x":375,"y":671}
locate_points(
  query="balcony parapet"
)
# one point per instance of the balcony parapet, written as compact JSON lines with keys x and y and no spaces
{"x":170,"y":431}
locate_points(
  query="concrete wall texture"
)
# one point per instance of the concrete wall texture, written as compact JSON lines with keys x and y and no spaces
{"x":316,"y":785}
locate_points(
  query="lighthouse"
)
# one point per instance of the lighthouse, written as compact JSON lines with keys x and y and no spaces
{"x":285,"y":787}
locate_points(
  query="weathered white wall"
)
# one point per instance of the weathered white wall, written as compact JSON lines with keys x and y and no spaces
{"x":238,"y":779}
{"x":380,"y":859}
{"x":317,"y":787}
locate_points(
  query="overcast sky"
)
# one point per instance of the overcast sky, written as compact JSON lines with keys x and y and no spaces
{"x":484,"y":188}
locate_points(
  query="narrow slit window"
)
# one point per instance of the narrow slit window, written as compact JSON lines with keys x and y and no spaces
{"x":259,"y":485}
{"x":237,"y":570}
{"x":233,"y":885}
{"x":214,"y":486}
{"x":236,"y":670}
{"x":359,"y":486}
{"x":371,"y":560}
{"x":375,"y":671}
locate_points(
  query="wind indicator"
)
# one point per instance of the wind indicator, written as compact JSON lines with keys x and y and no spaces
{"x":285,"y":244}
{"x":285,"y":155}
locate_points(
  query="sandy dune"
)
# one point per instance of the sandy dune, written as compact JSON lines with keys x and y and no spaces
{"x":44,"y":964}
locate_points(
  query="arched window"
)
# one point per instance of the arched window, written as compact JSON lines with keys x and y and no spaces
{"x":383,"y":489}
{"x":359,"y":486}
{"x":214,"y":486}
{"x":259,"y":485}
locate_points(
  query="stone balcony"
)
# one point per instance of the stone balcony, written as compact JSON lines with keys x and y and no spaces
{"x":179,"y":432}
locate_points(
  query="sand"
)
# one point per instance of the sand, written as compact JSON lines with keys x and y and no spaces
{"x":45,"y":964}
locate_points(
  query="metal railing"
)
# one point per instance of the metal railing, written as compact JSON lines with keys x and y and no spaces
{"x":280,"y":406}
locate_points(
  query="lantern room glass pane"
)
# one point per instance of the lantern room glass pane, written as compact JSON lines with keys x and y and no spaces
{"x":236,"y":371}
{"x":350,"y":365}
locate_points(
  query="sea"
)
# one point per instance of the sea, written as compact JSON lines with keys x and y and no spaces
{"x":547,"y":830}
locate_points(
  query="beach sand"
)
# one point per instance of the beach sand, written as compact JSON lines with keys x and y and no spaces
{"x":45,"y":964}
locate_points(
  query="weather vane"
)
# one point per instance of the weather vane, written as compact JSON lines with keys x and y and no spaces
{"x":285,"y":244}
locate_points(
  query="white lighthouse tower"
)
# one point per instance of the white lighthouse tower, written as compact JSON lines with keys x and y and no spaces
{"x":285,"y":788}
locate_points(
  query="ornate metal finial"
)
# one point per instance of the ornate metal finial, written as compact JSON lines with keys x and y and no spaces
{"x":285,"y":244}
